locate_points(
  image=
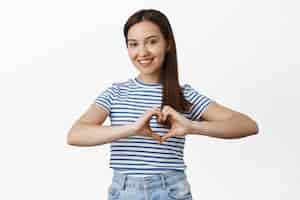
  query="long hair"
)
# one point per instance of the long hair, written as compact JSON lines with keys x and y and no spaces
{"x":172,"y":94}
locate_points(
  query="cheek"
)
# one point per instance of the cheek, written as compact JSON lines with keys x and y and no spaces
{"x":132,"y":55}
{"x":159,"y":51}
{"x":160,"y":55}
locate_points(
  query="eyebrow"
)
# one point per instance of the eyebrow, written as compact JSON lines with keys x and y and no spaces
{"x":151,"y":36}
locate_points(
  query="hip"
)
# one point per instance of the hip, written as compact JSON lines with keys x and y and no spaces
{"x":171,"y":185}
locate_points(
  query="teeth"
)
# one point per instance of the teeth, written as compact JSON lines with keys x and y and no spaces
{"x":145,"y":61}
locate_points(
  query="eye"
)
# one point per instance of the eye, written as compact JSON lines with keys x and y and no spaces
{"x":153,"y":41}
{"x":132,"y":44}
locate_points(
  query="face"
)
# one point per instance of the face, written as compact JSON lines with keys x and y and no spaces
{"x":146,"y":48}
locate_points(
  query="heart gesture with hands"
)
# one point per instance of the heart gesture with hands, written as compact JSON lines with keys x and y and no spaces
{"x":142,"y":126}
{"x":177,"y":123}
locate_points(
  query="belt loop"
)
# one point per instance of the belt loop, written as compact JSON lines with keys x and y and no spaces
{"x":163,"y":181}
{"x":123,"y":182}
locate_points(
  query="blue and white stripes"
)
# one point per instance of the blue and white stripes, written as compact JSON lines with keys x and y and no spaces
{"x":139,"y":155}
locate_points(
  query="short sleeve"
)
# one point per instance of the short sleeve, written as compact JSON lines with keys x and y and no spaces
{"x":106,"y":97}
{"x":199,"y":101}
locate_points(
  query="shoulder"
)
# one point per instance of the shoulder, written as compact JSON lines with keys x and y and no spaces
{"x":188,"y":89}
{"x":118,"y":85}
{"x":193,"y":94}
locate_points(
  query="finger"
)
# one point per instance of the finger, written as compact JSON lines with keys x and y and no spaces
{"x":157,"y":113}
{"x":149,"y":113}
{"x":168,"y":135}
{"x":159,"y":117}
{"x":156,"y":110}
{"x":167,"y":121}
{"x":166,"y":113}
{"x":150,"y":133}
{"x":170,"y":115}
{"x":156,"y":137}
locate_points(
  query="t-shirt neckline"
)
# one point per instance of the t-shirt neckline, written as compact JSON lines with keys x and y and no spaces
{"x":146,"y":85}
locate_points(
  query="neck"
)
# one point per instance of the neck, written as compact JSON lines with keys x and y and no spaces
{"x":149,"y":79}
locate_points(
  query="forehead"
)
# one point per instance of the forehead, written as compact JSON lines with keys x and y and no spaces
{"x":142,"y":30}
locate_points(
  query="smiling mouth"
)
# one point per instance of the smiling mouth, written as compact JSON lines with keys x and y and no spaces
{"x":145,"y":61}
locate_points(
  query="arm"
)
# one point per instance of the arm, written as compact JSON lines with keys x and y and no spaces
{"x":221,"y":122}
{"x":88,"y":131}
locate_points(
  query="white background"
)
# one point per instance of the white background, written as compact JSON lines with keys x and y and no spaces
{"x":57,"y":56}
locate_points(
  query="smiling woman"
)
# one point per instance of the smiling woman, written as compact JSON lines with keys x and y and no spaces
{"x":147,"y":49}
{"x":151,"y":114}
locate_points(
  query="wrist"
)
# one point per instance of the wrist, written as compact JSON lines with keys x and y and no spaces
{"x":195,"y":127}
{"x":131,"y":129}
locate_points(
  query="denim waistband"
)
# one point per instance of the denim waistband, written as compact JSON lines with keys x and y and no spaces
{"x":160,"y":180}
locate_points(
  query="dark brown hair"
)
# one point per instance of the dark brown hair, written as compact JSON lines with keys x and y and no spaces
{"x":172,"y":94}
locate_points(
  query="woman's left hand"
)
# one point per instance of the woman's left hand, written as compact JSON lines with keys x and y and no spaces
{"x":179,"y":125}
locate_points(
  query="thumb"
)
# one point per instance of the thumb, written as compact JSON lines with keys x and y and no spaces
{"x":156,"y":137}
{"x":150,"y":133}
{"x":168,"y":135}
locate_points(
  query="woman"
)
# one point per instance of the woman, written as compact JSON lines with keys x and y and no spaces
{"x":150,"y":116}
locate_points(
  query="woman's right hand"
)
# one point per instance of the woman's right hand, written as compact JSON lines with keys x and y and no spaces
{"x":142,"y":125}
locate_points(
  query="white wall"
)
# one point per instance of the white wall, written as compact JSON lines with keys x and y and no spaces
{"x":56,"y":56}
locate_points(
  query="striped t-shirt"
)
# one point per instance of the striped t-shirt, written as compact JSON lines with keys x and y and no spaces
{"x":137,"y":155}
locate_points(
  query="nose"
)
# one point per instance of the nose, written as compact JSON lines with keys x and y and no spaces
{"x":143,"y":51}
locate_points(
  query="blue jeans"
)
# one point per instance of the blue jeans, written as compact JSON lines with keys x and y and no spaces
{"x":166,"y":186}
